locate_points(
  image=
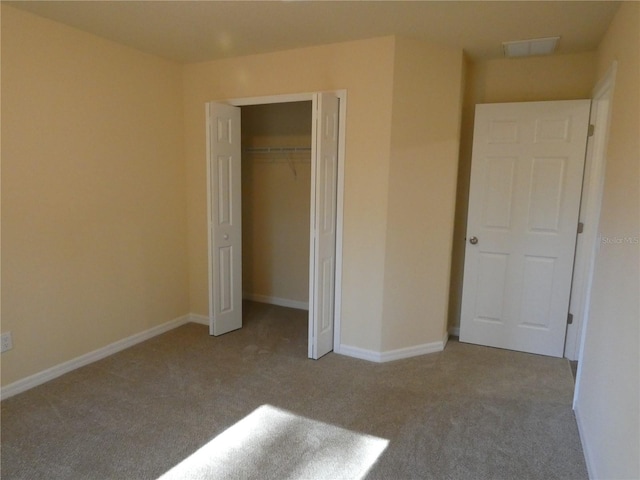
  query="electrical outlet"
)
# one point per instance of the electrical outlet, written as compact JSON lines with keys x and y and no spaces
{"x":6,"y":342}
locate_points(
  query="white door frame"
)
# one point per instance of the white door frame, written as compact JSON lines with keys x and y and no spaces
{"x":589,"y":240}
{"x":301,"y":97}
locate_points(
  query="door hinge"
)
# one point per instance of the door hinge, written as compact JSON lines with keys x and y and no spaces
{"x":592,"y":128}
{"x":580,"y":227}
{"x":570,"y":319}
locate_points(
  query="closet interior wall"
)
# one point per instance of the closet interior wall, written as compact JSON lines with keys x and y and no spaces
{"x":276,"y":190}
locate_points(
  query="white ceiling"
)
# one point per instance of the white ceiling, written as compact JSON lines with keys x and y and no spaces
{"x":192,"y":31}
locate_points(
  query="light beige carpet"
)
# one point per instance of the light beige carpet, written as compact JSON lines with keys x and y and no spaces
{"x":274,"y":443}
{"x":175,"y":401}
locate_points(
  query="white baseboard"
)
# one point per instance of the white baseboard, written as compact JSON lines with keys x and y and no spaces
{"x":588,"y":458}
{"x":66,"y":367}
{"x":197,"y":318}
{"x":391,"y":355}
{"x":281,"y":302}
{"x":454,"y":331}
{"x":356,"y":352}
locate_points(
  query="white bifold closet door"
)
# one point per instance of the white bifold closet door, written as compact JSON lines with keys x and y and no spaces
{"x":225,"y":218}
{"x":322,"y":264}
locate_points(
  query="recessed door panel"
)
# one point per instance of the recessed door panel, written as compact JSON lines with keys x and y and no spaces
{"x":538,"y":276}
{"x":326,"y":308}
{"x":503,"y":131}
{"x":224,"y":190}
{"x":225,"y":262}
{"x":498,"y":192}
{"x":492,"y":271}
{"x":546,"y":194}
{"x":553,"y":130}
{"x":329,"y":169}
{"x":224,"y":130}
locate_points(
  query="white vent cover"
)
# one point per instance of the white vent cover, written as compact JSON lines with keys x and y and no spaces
{"x":526,"y":48}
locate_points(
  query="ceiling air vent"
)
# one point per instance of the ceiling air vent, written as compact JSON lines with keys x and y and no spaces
{"x":528,"y":48}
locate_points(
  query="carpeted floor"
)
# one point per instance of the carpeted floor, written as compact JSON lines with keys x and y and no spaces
{"x":468,"y":412}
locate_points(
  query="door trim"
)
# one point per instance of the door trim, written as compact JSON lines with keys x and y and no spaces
{"x":603,"y":91}
{"x":588,"y":241}
{"x":301,"y":97}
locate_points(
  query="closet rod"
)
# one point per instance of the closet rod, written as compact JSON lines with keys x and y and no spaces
{"x":276,"y":149}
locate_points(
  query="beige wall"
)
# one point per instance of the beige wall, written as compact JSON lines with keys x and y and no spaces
{"x":365,"y":69}
{"x":555,"y":77}
{"x":608,"y":402}
{"x":93,"y":204}
{"x":276,"y":192}
{"x":422,"y":181}
{"x":559,"y":77}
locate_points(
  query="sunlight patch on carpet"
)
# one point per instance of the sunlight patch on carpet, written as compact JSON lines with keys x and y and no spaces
{"x":271,"y":443}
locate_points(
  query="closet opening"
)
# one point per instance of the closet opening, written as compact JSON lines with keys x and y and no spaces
{"x":276,"y":193}
{"x":275,"y":181}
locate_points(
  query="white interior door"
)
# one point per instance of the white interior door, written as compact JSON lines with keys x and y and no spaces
{"x":322,"y":261}
{"x":225,"y":218}
{"x":524,"y":198}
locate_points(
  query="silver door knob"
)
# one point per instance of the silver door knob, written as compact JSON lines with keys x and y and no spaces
{"x":473,"y":240}
{"x":226,"y":237}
